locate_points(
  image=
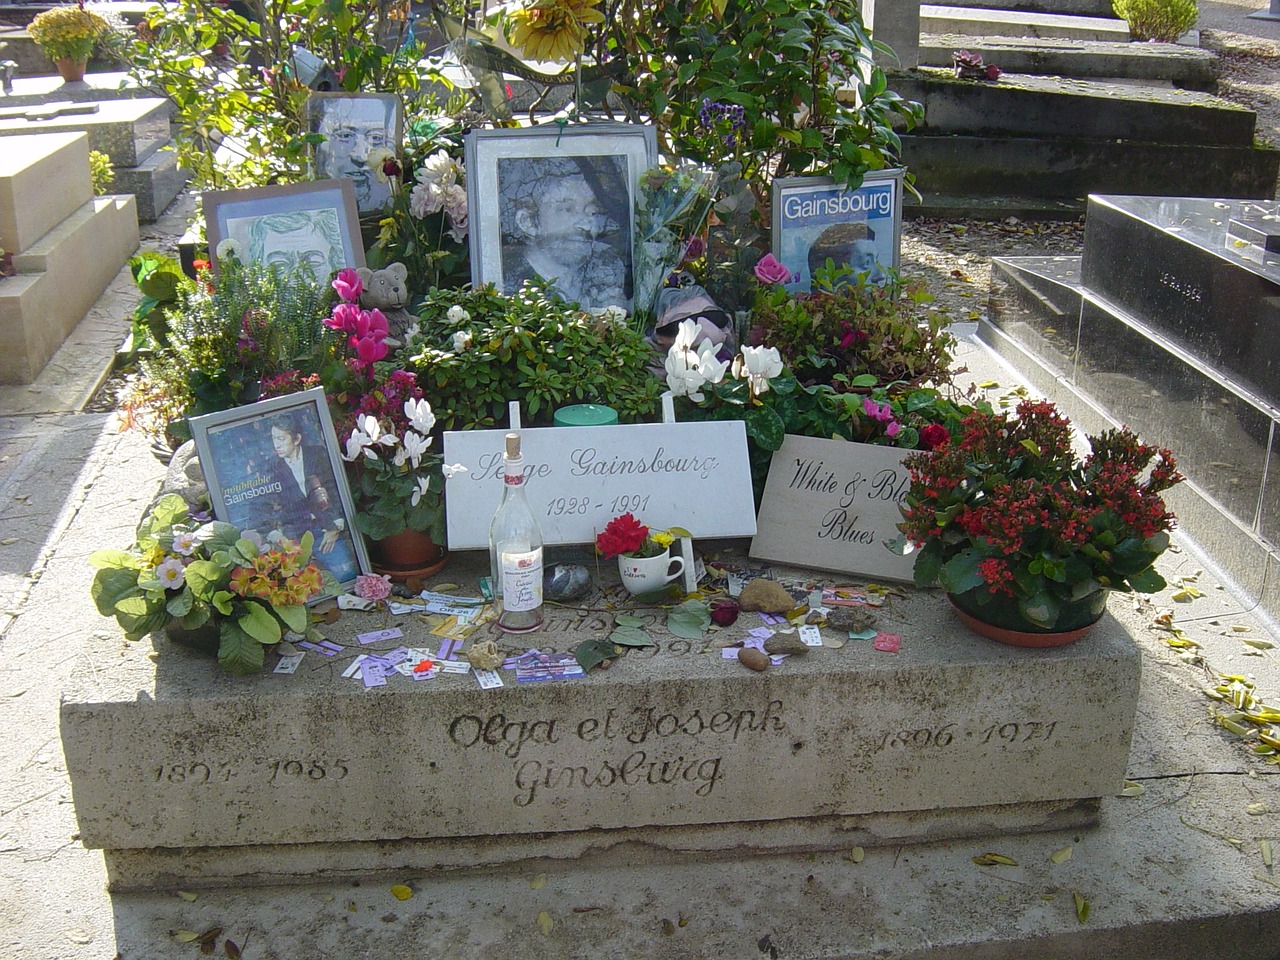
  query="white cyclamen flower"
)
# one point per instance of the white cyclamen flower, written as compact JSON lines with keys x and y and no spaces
{"x":709,"y":365}
{"x":456,"y":315}
{"x":450,"y":470}
{"x":420,"y":416}
{"x":355,"y":444}
{"x":420,"y":490}
{"x":412,"y":449}
{"x":759,"y":365}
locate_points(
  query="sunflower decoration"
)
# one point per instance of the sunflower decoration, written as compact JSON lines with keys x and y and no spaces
{"x":554,"y":29}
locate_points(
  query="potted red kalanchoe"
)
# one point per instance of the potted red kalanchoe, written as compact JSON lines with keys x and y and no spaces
{"x":1025,"y":536}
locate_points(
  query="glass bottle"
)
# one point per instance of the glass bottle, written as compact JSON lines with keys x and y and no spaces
{"x":515,"y":550}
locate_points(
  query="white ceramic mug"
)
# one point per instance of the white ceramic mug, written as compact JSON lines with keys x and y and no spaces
{"x":647,"y":574}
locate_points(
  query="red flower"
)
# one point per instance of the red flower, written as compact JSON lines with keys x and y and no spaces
{"x":624,"y":534}
{"x":200,"y":265}
{"x":933,"y":435}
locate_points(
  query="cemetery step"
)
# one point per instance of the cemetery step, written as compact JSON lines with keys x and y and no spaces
{"x":1175,"y":63}
{"x":985,"y":22}
{"x":1081,"y":8}
{"x":1030,"y":105}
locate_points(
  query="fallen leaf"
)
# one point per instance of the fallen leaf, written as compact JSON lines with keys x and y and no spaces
{"x":189,"y":897}
{"x":995,"y":859}
{"x":400,"y":891}
{"x":683,"y":921}
{"x":184,"y":936}
{"x":8,"y":540}
{"x":1268,"y":858}
{"x":988,"y":385}
{"x":445,"y":587}
{"x":1082,"y":906}
{"x":331,"y":616}
{"x":1257,"y":644}
{"x":856,"y":855}
{"x":232,"y":949}
{"x":1132,"y":789}
{"x":1257,"y":809}
{"x":538,"y":882}
{"x":1061,"y":856}
{"x":78,"y":935}
{"x":545,"y":923}
{"x":668,"y":928}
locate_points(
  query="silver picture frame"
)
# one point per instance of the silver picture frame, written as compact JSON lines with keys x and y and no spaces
{"x":355,"y":126}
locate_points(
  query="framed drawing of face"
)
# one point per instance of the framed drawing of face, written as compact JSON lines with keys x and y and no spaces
{"x":296,"y":226}
{"x":359,"y":130}
{"x":814,"y":220}
{"x":274,"y":470}
{"x":557,"y":204}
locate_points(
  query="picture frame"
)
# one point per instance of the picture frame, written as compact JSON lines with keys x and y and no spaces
{"x":559,"y":203}
{"x":355,"y":126}
{"x":313,"y":225}
{"x":253,"y":485}
{"x":814,"y":219}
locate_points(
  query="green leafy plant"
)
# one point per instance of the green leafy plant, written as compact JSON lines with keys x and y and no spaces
{"x":68,"y":32}
{"x":193,"y":574}
{"x":1164,"y":20}
{"x":477,"y":350}
{"x":1007,"y":514}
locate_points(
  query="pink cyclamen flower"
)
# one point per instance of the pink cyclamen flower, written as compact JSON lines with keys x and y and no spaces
{"x":369,"y":350}
{"x":892,"y":429}
{"x":877,"y":411}
{"x":372,"y":587}
{"x":769,"y":270}
{"x":349,"y":285}
{"x":345,"y":317}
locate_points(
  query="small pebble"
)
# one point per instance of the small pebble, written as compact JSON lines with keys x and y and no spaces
{"x":781,"y":643}
{"x":753,"y":658}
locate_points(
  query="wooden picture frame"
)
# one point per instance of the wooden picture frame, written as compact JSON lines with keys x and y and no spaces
{"x":355,"y":127}
{"x":253,"y":485}
{"x":814,"y":219}
{"x":558,"y":203}
{"x":313,"y":226}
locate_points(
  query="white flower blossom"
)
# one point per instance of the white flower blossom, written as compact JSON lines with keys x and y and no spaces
{"x":420,"y":416}
{"x":462,"y":340}
{"x":709,"y":365}
{"x":411,"y":449}
{"x":458,"y":232}
{"x":758,"y":365}
{"x":450,"y":470}
{"x":355,"y":444}
{"x":228,"y":249}
{"x":684,"y":377}
{"x":455,"y":203}
{"x":420,"y":490}
{"x":426,"y":199}
{"x":456,"y":315}
{"x":438,"y":169}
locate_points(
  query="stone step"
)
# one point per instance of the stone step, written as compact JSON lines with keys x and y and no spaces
{"x":154,"y":183}
{"x":1175,"y":63}
{"x":128,"y":131}
{"x":29,"y":207}
{"x":1072,"y":8}
{"x":1065,"y":169}
{"x":1030,"y":105}
{"x":59,"y":279}
{"x":985,"y":22}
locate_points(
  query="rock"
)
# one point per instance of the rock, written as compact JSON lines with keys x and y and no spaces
{"x":186,"y":479}
{"x":781,"y":643}
{"x":765,"y":596}
{"x":484,"y":655}
{"x":565,"y":581}
{"x":753,"y":658}
{"x":851,"y":619}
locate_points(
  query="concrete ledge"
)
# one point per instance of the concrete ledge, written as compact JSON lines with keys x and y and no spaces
{"x":154,"y":183}
{"x":675,"y":737}
{"x":30,"y":91}
{"x":980,"y":22}
{"x":43,"y":180}
{"x":128,"y":131}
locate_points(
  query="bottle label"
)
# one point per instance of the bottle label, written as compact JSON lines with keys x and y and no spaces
{"x":513,"y":479}
{"x":522,"y":580}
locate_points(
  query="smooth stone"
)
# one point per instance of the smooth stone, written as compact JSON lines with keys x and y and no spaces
{"x":566,"y":581}
{"x":753,"y":658}
{"x":765,"y":596}
{"x":781,"y":643}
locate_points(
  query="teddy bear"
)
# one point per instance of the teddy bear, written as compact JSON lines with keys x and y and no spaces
{"x":386,"y":290}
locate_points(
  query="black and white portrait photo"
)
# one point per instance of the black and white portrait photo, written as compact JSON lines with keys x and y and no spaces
{"x":360,"y":131}
{"x":558,"y":206}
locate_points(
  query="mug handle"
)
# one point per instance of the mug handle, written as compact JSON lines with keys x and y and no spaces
{"x":671,"y":575}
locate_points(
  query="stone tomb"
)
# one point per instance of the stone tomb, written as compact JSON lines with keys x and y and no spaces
{"x":1170,"y":322}
{"x":67,"y":246}
{"x":184,"y":775}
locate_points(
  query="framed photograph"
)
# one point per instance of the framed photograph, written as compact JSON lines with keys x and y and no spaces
{"x":356,"y":127}
{"x":557,"y":203}
{"x":296,"y":226}
{"x":815,"y":220}
{"x":274,"y":470}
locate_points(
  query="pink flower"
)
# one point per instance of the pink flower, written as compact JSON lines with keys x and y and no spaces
{"x":370,"y":350}
{"x":345,"y":316}
{"x":769,"y":270}
{"x":877,"y":411}
{"x":892,"y":429}
{"x":372,"y":587}
{"x":349,"y":285}
{"x":993,"y":72}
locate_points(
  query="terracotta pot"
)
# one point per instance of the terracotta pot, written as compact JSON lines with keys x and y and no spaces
{"x":409,"y":553}
{"x":1074,"y":621}
{"x":70,"y":70}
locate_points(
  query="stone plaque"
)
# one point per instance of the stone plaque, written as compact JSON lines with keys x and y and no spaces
{"x":834,"y":505}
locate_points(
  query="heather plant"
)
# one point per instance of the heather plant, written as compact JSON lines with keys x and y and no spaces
{"x":1164,"y":20}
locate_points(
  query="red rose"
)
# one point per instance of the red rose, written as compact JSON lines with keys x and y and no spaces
{"x":624,"y":534}
{"x":933,"y":435}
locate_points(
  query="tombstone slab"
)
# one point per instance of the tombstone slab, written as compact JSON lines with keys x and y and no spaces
{"x":29,"y":206}
{"x":128,"y":131}
{"x":168,"y":752}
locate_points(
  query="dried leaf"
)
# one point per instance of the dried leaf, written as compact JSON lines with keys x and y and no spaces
{"x":545,"y":923}
{"x":189,"y":897}
{"x":445,"y":587}
{"x":1082,"y":906}
{"x":538,"y":882}
{"x":856,"y":855}
{"x":232,"y":949}
{"x":1268,"y":857}
{"x":683,"y":921}
{"x":995,"y":859}
{"x":184,"y":936}
{"x":1132,"y":789}
{"x":8,"y":540}
{"x":1257,"y":809}
{"x":332,"y":616}
{"x":210,"y":936}
{"x":668,"y":928}
{"x":1257,"y":644}
{"x":401,"y":892}
{"x":988,"y":385}
{"x":1061,"y":856}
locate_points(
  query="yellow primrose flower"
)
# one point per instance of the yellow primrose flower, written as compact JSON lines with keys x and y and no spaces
{"x":554,"y":29}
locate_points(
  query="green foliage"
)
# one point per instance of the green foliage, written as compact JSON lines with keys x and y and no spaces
{"x":252,"y":596}
{"x":225,"y":333}
{"x":794,"y":67}
{"x":250,"y":100}
{"x":1165,"y":20}
{"x":101,"y":172}
{"x":159,"y":279}
{"x":530,"y":347}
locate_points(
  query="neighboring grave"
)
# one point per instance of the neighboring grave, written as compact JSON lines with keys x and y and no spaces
{"x":1170,"y":322}
{"x":185,"y":775}
{"x":67,"y":246}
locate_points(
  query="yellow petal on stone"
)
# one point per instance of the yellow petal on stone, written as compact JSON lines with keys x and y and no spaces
{"x":1268,"y":858}
{"x":1132,"y":789}
{"x":545,"y":923}
{"x":1257,"y":809}
{"x":538,"y":882}
{"x":184,"y":936}
{"x":401,"y":892}
{"x":1082,"y":906}
{"x":1061,"y":856}
{"x":189,"y":897}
